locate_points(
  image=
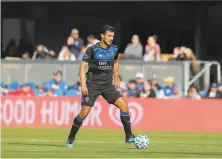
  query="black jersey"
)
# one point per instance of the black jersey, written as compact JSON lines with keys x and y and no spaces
{"x":100,"y":63}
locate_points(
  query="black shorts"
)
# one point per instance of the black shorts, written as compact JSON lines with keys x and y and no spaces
{"x":109,"y":93}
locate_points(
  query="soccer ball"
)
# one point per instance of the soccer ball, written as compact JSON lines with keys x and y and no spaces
{"x":141,"y":141}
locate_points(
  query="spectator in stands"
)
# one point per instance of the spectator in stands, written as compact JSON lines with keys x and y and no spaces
{"x":152,"y":49}
{"x":132,"y":92}
{"x":178,"y":55}
{"x":43,"y":53}
{"x":124,"y":93}
{"x":66,"y":55}
{"x":10,"y":50}
{"x":122,"y":83}
{"x":157,"y":88}
{"x":83,"y":51}
{"x":75,"y":43}
{"x":176,"y":93}
{"x":189,"y":53}
{"x":147,"y":91}
{"x":26,"y":56}
{"x":134,"y":50}
{"x":155,"y":82}
{"x":139,"y":81}
{"x":91,"y":40}
{"x":25,"y":90}
{"x":193,"y":93}
{"x":41,"y":91}
{"x":169,"y":86}
{"x":57,"y":83}
{"x":50,"y":93}
{"x":213,"y":91}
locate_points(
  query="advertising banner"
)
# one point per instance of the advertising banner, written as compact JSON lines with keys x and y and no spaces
{"x":146,"y":114}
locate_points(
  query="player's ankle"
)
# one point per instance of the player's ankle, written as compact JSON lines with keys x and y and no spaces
{"x":70,"y":140}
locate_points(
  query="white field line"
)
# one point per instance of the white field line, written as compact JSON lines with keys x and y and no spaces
{"x":107,"y":142}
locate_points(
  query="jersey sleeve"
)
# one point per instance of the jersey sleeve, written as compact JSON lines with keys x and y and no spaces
{"x":117,"y":54}
{"x":88,"y":55}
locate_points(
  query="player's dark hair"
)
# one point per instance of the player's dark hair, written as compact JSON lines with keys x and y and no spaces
{"x":107,"y":28}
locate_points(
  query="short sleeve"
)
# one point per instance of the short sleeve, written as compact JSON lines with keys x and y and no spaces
{"x":117,"y":54}
{"x":88,"y":55}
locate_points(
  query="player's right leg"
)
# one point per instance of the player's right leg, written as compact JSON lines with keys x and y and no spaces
{"x":77,"y":123}
{"x":87,"y":103}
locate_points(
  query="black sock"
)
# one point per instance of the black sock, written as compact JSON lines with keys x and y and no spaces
{"x":75,"y":127}
{"x":125,"y":118}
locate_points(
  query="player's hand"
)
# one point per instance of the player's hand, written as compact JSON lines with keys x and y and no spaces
{"x":117,"y":83}
{"x":84,"y":90}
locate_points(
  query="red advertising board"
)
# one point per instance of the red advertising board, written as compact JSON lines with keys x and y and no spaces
{"x":146,"y":114}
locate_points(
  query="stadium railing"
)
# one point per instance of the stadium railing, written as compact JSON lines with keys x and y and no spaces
{"x":40,"y":71}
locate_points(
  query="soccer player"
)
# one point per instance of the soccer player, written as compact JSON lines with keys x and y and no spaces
{"x":101,"y":79}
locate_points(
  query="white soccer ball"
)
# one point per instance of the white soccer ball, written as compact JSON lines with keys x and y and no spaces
{"x":142,"y":141}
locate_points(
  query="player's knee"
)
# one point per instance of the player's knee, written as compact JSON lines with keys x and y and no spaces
{"x":84,"y":112}
{"x":121,"y":104}
{"x":124,"y":108}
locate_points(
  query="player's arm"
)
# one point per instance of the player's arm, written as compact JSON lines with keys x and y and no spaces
{"x":82,"y":72}
{"x":116,"y":72}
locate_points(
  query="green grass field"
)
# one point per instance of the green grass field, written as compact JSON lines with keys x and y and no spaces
{"x":50,"y":143}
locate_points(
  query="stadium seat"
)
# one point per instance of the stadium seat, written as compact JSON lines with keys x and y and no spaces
{"x":203,"y":94}
{"x":166,"y":56}
{"x":72,"y":87}
{"x":2,"y":85}
{"x":32,"y":85}
{"x":36,"y":91}
{"x":13,"y":86}
{"x":46,"y":86}
{"x":58,"y":92}
{"x":71,"y":92}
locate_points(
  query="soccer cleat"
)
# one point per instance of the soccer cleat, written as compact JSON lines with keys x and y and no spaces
{"x":130,"y":139}
{"x":69,"y":143}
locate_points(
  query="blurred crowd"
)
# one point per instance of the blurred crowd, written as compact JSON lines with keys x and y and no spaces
{"x":75,"y":47}
{"x":138,"y":87}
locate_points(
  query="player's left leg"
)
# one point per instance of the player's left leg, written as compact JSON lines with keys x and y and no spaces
{"x":125,"y":119}
{"x":114,"y":97}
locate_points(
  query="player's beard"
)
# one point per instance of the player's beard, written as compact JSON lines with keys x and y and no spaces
{"x":107,"y":43}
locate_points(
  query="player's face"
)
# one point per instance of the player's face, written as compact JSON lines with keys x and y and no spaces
{"x":108,"y":37}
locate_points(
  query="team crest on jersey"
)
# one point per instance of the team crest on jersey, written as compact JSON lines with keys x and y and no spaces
{"x":87,"y":99}
{"x":113,"y":54}
{"x":86,"y":57}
